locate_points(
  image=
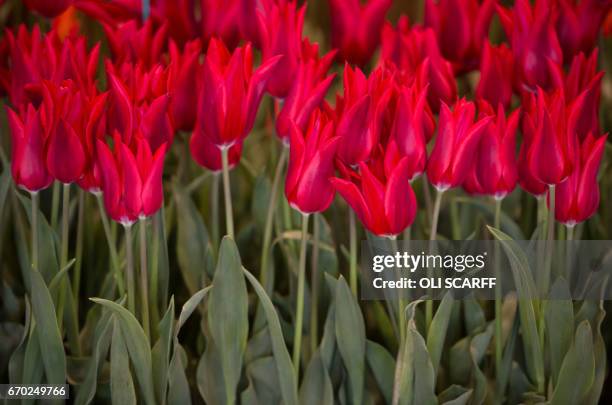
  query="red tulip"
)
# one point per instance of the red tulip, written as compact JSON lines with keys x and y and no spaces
{"x":533,"y":40}
{"x":496,"y":69}
{"x":415,"y":52}
{"x":307,"y":93}
{"x":133,"y":42}
{"x":95,"y":129}
{"x":183,"y":75}
{"x":413,"y":127}
{"x":49,"y":8}
{"x":455,"y":149}
{"x":577,"y":198}
{"x":461,"y":28}
{"x":281,"y":34}
{"x":221,"y":19}
{"x":382,"y":199}
{"x":579,"y":24}
{"x":311,"y":165}
{"x":552,"y":141}
{"x":360,"y":113}
{"x":28,"y":150}
{"x":356,"y":28}
{"x":231,"y":93}
{"x":494,"y":172}
{"x":207,"y":155}
{"x":131,"y":180}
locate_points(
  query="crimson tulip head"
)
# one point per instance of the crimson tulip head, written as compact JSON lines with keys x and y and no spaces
{"x":461,"y":27}
{"x":221,"y":19}
{"x":496,"y":69}
{"x":281,"y":34}
{"x":360,"y":113}
{"x":307,"y":93}
{"x":183,"y":75}
{"x":133,"y":42}
{"x":48,"y":8}
{"x":356,"y":28}
{"x":231,"y":93}
{"x":534,"y":41}
{"x":131,"y":179}
{"x":208,"y":155}
{"x":494,"y":172}
{"x":579,"y":24}
{"x":577,"y":198}
{"x":380,"y":194}
{"x":28,"y":140}
{"x":455,"y":149}
{"x":311,"y":165}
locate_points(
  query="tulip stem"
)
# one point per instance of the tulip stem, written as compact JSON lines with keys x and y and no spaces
{"x":214,"y":211}
{"x":63,"y":253}
{"x":229,"y":216}
{"x":129,"y":268}
{"x":498,"y":304}
{"x":157,"y":229}
{"x":297,"y":337}
{"x":353,"y":251}
{"x":551,"y":236}
{"x":144,"y":279}
{"x":432,"y":237}
{"x":76,"y":281}
{"x":34,"y":207}
{"x":314,"y":285}
{"x":112,"y":247}
{"x":267,"y":236}
{"x":55,"y":204}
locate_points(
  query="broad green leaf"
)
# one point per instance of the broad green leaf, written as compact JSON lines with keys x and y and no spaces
{"x":263,"y":375}
{"x":33,"y":368}
{"x":560,"y":319}
{"x":599,"y":347}
{"x":424,"y":377}
{"x":578,"y":369}
{"x":455,"y":395}
{"x":350,"y":333}
{"x":190,"y":306}
{"x":160,"y":355}
{"x":51,"y":345}
{"x":178,"y":386}
{"x":474,"y":316}
{"x":122,"y":386}
{"x":208,"y":376}
{"x":316,"y":387}
{"x":286,"y":376}
{"x":137,"y":345}
{"x":437,"y":330}
{"x":16,"y":362}
{"x":382,"y":365}
{"x":228,"y":318}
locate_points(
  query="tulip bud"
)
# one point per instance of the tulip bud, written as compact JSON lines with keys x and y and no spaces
{"x":183,"y":75}
{"x":579,"y":24}
{"x":496,"y":69}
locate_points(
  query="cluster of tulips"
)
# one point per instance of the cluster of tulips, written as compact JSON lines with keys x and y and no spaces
{"x":530,"y":120}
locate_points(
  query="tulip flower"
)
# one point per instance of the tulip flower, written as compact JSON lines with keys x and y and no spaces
{"x":28,"y":150}
{"x":133,"y":42}
{"x":281,"y":34}
{"x":383,"y":200}
{"x":311,"y":165}
{"x":496,"y":70}
{"x":356,"y":28}
{"x":461,"y":28}
{"x":533,"y":40}
{"x":231,"y":93}
{"x":48,"y":8}
{"x":183,"y":75}
{"x":456,"y":143}
{"x":577,"y":198}
{"x":494,"y":172}
{"x":413,"y":127}
{"x":415,"y":52}
{"x":95,"y":129}
{"x":579,"y":23}
{"x":307,"y":93}
{"x":360,"y":113}
{"x":207,"y":155}
{"x":131,"y":180}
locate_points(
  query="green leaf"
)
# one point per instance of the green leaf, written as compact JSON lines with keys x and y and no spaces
{"x":209,"y":379}
{"x":5,"y":182}
{"x":578,"y":369}
{"x":33,"y":369}
{"x":263,"y":377}
{"x":178,"y":391}
{"x":560,"y":319}
{"x":137,"y":345}
{"x":507,"y":223}
{"x":284,"y":367}
{"x":437,"y":330}
{"x":382,"y":365}
{"x":228,"y":318}
{"x":122,"y":386}
{"x":455,"y":395}
{"x":51,"y":345}
{"x":160,"y":355}
{"x":599,"y":351}
{"x":16,"y":362}
{"x":190,"y":306}
{"x":316,"y":387}
{"x":350,"y":332}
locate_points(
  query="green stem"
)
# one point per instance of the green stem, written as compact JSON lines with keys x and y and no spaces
{"x":155,"y":268}
{"x":144,"y":279}
{"x":214,"y":211}
{"x":63,"y":252}
{"x":314,"y":282}
{"x":401,"y":301}
{"x":432,"y":237}
{"x":55,"y":204}
{"x":297,"y":338}
{"x":129,"y":269}
{"x":34,"y":207}
{"x":229,"y":216}
{"x":550,"y":237}
{"x":76,"y":281}
{"x":112,"y":247}
{"x":498,"y":303}
{"x":267,"y":236}
{"x":353,"y":251}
